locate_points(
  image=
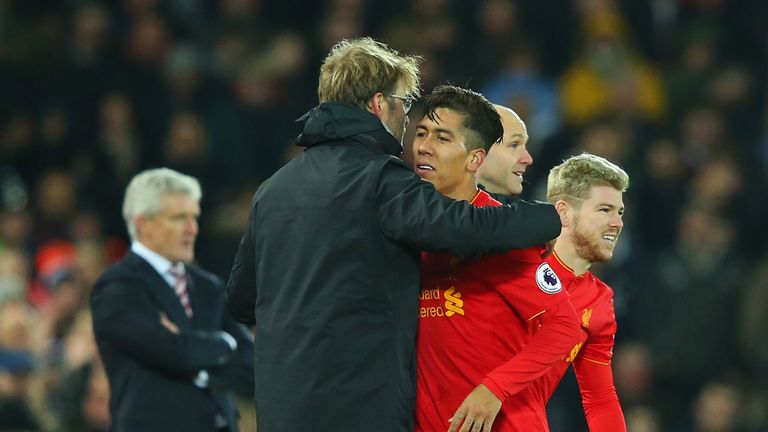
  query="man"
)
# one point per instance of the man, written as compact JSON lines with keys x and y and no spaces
{"x":502,"y":172}
{"x":587,"y":193}
{"x":494,"y":324}
{"x":328,"y":268}
{"x":591,"y":298}
{"x":171,"y":352}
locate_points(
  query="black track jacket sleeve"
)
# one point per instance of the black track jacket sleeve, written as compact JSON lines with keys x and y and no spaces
{"x":241,"y":285}
{"x":412,"y":211}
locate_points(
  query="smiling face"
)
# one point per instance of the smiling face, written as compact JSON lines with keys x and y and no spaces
{"x":503,"y":168}
{"x":594,"y":227}
{"x":441,"y":156}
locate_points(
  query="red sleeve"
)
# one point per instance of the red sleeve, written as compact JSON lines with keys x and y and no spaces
{"x":559,"y":332}
{"x":598,"y":395}
{"x":602,"y":334}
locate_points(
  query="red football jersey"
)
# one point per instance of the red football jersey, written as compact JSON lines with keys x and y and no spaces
{"x":593,"y":301}
{"x":474,"y":317}
{"x":591,"y":356}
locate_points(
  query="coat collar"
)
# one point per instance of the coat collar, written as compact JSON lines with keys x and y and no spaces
{"x":333,"y":121}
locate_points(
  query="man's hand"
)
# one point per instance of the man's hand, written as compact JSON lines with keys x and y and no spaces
{"x":477,"y":412}
{"x":167,"y":323}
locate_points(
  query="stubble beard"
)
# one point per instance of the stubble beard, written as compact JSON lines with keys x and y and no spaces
{"x":397,"y":133}
{"x":586,"y":244}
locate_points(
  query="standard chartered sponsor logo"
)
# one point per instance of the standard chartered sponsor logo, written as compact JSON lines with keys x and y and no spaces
{"x":431,"y":311}
{"x":453,"y":302}
{"x":452,"y":305}
{"x":426,"y":311}
{"x":432,"y":294}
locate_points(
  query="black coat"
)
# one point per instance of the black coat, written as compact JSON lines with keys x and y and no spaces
{"x":150,"y":369}
{"x":328,"y":270}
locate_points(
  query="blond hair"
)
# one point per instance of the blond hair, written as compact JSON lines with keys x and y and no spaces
{"x":572,"y":180}
{"x":356,"y":69}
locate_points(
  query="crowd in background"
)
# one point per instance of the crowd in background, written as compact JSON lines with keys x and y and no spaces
{"x":92,"y":92}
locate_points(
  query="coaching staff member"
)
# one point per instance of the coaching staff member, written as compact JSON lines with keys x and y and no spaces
{"x":328,"y":268}
{"x":171,"y":352}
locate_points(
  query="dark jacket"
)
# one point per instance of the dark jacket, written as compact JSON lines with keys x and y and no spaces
{"x":150,"y":369}
{"x":328,"y":270}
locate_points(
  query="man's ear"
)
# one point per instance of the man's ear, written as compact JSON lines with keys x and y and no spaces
{"x":374,"y":104}
{"x":475,"y":158}
{"x":139,"y":221}
{"x":564,"y":211}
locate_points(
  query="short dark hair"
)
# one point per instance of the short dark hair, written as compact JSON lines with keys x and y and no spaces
{"x":480,"y":117}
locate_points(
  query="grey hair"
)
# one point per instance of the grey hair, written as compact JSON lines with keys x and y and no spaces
{"x":144,"y":193}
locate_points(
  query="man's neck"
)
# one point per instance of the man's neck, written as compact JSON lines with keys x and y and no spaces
{"x":465,"y":192}
{"x":489,"y":186}
{"x":568,"y":255}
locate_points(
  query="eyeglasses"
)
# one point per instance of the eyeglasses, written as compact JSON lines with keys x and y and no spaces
{"x":407,"y":102}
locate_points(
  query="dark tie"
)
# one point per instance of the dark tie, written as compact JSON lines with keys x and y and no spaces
{"x":177,"y":271}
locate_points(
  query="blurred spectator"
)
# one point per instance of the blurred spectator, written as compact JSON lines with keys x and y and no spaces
{"x":685,"y":82}
{"x":14,"y":199}
{"x":685,"y":311}
{"x":186,"y":149}
{"x":435,"y":21}
{"x":56,"y":200}
{"x":721,"y":184}
{"x":87,"y":67}
{"x":54,"y":148}
{"x":717,"y":184}
{"x":702,"y":135}
{"x":16,"y":365}
{"x":146,"y":46}
{"x":85,"y":394}
{"x":520,"y":86}
{"x":717,"y":408}
{"x":342,"y":20}
{"x":81,"y":395}
{"x":185,"y":76}
{"x":642,"y":419}
{"x":14,"y":274}
{"x":607,"y":139}
{"x":251,"y":134}
{"x":499,"y":24}
{"x":731,"y":90}
{"x":16,"y":147}
{"x":662,"y":181}
{"x":608,"y":78}
{"x":15,"y":412}
{"x":15,"y":229}
{"x":91,"y":27}
{"x":633,"y":372}
{"x":118,"y":138}
{"x":227,"y":222}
